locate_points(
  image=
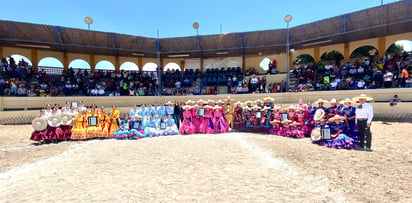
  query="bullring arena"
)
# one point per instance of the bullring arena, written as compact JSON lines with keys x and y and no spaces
{"x":222,"y":166}
{"x":215,"y":167}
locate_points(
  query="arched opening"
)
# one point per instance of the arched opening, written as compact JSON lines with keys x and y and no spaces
{"x":17,"y":59}
{"x":79,"y":64}
{"x":264,"y":64}
{"x":129,"y":66}
{"x":333,"y":55}
{"x":171,"y":66}
{"x":149,"y":67}
{"x":362,"y":52}
{"x":51,"y":65}
{"x":304,"y":59}
{"x":104,"y":65}
{"x":50,"y":62}
{"x":399,"y":47}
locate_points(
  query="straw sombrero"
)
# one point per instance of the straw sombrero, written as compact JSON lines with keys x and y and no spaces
{"x":186,"y":107}
{"x":362,"y":96}
{"x":333,"y":101}
{"x":268,"y":98}
{"x":66,"y":119}
{"x":227,"y":98}
{"x":219,"y":101}
{"x":291,"y":107}
{"x":137,"y":116}
{"x":54,"y":121}
{"x":189,"y":101}
{"x":256,"y":107}
{"x":246,"y":108}
{"x":295,"y":123}
{"x":39,"y":124}
{"x":319,"y":114}
{"x":266,"y":108}
{"x":200,"y":101}
{"x":286,"y":121}
{"x":248,"y":102}
{"x":169,"y":102}
{"x":336,"y":117}
{"x":217,"y":107}
{"x":238,"y":102}
{"x":347,"y":100}
{"x":275,"y":121}
{"x":208,"y":107}
{"x":277,"y":107}
{"x":316,"y":103}
{"x":210,"y":100}
{"x":258,"y":100}
{"x":315,"y":134}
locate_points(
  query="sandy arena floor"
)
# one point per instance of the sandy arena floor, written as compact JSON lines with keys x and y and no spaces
{"x":228,"y":167}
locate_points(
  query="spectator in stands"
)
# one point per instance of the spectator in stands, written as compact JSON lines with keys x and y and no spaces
{"x":361,"y":84}
{"x":22,"y":91}
{"x":333,"y":85}
{"x":388,"y":79}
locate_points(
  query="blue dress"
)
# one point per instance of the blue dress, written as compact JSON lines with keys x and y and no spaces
{"x":341,"y":141}
{"x":136,"y":129}
{"x":171,"y":127}
{"x":350,"y":112}
{"x":122,"y":133}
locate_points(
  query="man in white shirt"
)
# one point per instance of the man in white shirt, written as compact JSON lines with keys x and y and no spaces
{"x":387,"y":79}
{"x":364,"y":116}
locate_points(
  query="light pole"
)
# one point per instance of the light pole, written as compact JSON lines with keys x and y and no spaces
{"x":287,"y":19}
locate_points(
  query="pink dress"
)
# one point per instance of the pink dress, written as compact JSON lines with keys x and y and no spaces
{"x":274,"y":130}
{"x":297,"y":132}
{"x":220,"y":123}
{"x":195,"y":120}
{"x":187,"y":126}
{"x":207,"y":124}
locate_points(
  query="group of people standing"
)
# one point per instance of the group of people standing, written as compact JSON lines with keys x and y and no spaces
{"x":348,"y":126}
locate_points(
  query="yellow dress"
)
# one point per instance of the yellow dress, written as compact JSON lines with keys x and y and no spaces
{"x":92,"y":131}
{"x":79,"y":128}
{"x":103,"y":127}
{"x":113,"y":125}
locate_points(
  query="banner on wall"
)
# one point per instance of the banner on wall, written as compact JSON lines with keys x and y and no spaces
{"x":192,"y":64}
{"x":223,"y":62}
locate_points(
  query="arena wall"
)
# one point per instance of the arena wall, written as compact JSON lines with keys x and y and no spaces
{"x":23,"y":109}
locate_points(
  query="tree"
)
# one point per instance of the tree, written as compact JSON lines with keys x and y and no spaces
{"x":395,"y":49}
{"x":361,"y":51}
{"x":304,"y":58}
{"x":331,"y":56}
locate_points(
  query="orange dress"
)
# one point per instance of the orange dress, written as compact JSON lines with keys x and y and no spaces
{"x":103,"y":127}
{"x":92,"y":131}
{"x":113,"y":125}
{"x":79,"y":128}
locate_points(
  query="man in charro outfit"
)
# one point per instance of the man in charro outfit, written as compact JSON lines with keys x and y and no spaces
{"x":228,"y":110}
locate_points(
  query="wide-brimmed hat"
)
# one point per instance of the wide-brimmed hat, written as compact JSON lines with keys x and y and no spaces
{"x":258,"y":100}
{"x":316,"y":103}
{"x":54,"y":121}
{"x":290,"y":107}
{"x":275,"y":121}
{"x":66,"y":118}
{"x":333,"y":101}
{"x":362,"y":96}
{"x":246,"y":108}
{"x":219,"y":101}
{"x":248,"y":102}
{"x":186,"y":107}
{"x":266,"y":108}
{"x":227,"y":98}
{"x":319,"y":114}
{"x":299,"y":109}
{"x":238,"y":102}
{"x":255,"y":107}
{"x":189,"y":101}
{"x":269,"y":98}
{"x":210,"y":100}
{"x":336,"y":117}
{"x":277,"y":107}
{"x":39,"y":124}
{"x":208,"y":107}
{"x":137,"y":116}
{"x":200,"y":100}
{"x":295,"y":123}
{"x":169,"y":102}
{"x":315,"y":135}
{"x":286,"y":121}
{"x":217,"y":107}
{"x":347,"y":100}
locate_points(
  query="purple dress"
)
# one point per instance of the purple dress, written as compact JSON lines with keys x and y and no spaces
{"x":341,"y":141}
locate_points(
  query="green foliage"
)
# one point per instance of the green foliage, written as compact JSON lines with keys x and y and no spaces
{"x":361,"y":52}
{"x":395,"y":49}
{"x":304,"y":58}
{"x":331,"y":56}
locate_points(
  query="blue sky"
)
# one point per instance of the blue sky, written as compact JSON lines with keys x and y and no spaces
{"x":174,"y":18}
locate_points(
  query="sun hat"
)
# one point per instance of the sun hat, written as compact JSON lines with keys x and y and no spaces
{"x":39,"y":124}
{"x":315,"y":134}
{"x":275,"y":121}
{"x":316,"y":103}
{"x":286,"y":121}
{"x":319,"y":114}
{"x":347,"y":100}
{"x":189,"y":101}
{"x":66,"y":118}
{"x":336,"y":117}
{"x":362,"y":96}
{"x":53,"y":121}
{"x":269,"y":98}
{"x":333,"y":101}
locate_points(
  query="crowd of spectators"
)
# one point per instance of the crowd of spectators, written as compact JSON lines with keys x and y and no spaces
{"x":388,"y":72}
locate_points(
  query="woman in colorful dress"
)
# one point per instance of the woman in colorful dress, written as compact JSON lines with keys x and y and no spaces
{"x":274,"y":130}
{"x":79,"y":127}
{"x":66,"y":125}
{"x":339,"y":139}
{"x":92,"y":130}
{"x":301,"y":118}
{"x":54,"y":132}
{"x":187,"y":126}
{"x":256,"y":119}
{"x":195,"y":117}
{"x":291,"y":113}
{"x":207,"y":121}
{"x":296,"y":129}
{"x":310,"y":122}
{"x":198,"y":116}
{"x":103,"y":126}
{"x":142,"y":113}
{"x":276,"y":113}
{"x":266,"y":117}
{"x":122,"y":133}
{"x":248,"y":115}
{"x":150,"y":128}
{"x":349,"y":112}
{"x":171,"y":127}
{"x":332,"y":110}
{"x":238,"y":120}
{"x":114,"y":120}
{"x":136,"y":128}
{"x":268,"y":102}
{"x":285,"y":128}
{"x":220,"y":124}
{"x":40,"y":136}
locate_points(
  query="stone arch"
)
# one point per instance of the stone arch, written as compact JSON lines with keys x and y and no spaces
{"x":79,"y":63}
{"x":104,"y":65}
{"x":171,"y":66}
{"x":50,"y":62}
{"x":129,"y":66}
{"x":149,"y":66}
{"x":18,"y":57}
